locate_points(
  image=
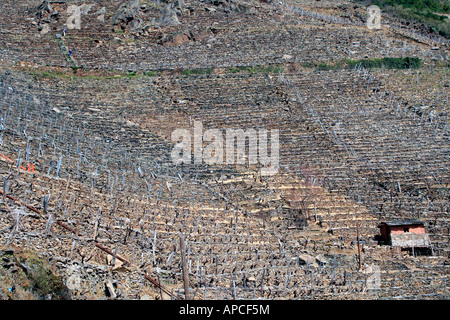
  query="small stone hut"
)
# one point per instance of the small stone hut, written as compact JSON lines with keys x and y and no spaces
{"x":404,"y":234}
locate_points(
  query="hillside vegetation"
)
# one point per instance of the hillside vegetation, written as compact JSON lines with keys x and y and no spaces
{"x":433,"y":13}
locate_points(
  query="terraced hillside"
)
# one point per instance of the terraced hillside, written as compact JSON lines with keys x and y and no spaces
{"x":89,"y":182}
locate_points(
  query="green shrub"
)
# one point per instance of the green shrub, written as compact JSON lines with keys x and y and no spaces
{"x":37,"y":277}
{"x":45,"y":282}
{"x":325,"y":66}
{"x":308,"y":65}
{"x":187,"y":72}
{"x":388,"y":63}
{"x":237,"y":69}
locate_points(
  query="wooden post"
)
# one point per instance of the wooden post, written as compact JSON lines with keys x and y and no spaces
{"x":184,"y":266}
{"x":160,"y":290}
{"x":445,"y":282}
{"x":315,"y":212}
{"x":359,"y":250}
{"x":262,"y":281}
{"x":5,"y":187}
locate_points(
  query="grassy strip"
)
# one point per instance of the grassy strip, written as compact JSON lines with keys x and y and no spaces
{"x":187,"y":72}
{"x":237,"y":69}
{"x":388,"y":63}
{"x":67,"y":75}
